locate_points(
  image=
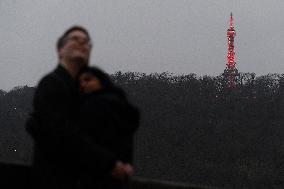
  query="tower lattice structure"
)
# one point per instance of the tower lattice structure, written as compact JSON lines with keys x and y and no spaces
{"x":231,"y":72}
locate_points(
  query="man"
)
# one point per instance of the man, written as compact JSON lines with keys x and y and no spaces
{"x":61,"y":149}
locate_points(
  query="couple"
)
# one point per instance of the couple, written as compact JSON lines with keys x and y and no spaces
{"x":82,"y":124}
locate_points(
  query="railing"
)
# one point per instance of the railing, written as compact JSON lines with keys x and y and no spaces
{"x":18,"y":176}
{"x":14,"y":175}
{"x":143,"y":183}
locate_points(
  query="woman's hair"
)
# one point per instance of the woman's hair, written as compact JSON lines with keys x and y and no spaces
{"x":101,"y":75}
{"x":104,"y":79}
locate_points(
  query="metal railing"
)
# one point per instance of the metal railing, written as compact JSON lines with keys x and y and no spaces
{"x":14,"y":175}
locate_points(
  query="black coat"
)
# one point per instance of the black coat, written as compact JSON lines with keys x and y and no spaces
{"x":61,"y":150}
{"x":111,"y":121}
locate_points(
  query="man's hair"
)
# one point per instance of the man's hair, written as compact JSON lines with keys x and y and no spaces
{"x":62,"y":40}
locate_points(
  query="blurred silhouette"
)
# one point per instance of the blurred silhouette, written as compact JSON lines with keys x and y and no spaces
{"x":62,"y":150}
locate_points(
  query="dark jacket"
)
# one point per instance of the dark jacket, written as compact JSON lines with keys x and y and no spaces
{"x":61,"y":150}
{"x":111,"y":121}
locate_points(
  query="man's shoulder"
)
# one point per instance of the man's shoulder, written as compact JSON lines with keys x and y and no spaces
{"x":51,"y":81}
{"x":50,"y":78}
{"x":53,"y":77}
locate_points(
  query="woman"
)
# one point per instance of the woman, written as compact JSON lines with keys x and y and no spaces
{"x":110,"y":120}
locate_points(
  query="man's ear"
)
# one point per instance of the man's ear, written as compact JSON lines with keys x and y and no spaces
{"x":60,"y":52}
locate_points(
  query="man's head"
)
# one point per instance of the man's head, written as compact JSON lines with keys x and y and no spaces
{"x":74,"y":46}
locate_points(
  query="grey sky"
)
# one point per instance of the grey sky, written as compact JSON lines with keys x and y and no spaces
{"x":178,"y":36}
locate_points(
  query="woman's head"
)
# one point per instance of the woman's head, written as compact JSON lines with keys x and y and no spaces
{"x":93,"y":79}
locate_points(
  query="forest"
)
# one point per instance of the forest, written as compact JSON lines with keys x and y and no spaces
{"x":194,"y":129}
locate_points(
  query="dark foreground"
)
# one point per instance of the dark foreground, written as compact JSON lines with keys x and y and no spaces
{"x":193,"y":130}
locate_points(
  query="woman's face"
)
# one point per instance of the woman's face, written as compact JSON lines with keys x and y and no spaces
{"x":89,"y":83}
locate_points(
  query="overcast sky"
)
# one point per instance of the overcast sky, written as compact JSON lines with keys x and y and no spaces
{"x":178,"y":36}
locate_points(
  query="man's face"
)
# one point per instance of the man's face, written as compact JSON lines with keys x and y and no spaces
{"x":77,"y":48}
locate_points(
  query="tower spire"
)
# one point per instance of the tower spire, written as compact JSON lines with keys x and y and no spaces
{"x":231,"y":21}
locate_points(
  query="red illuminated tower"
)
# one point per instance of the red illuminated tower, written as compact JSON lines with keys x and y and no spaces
{"x":231,"y":73}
